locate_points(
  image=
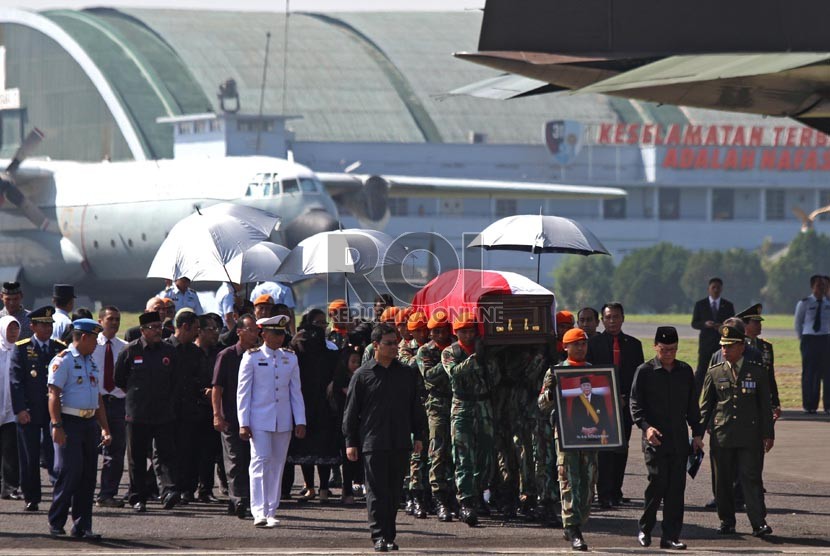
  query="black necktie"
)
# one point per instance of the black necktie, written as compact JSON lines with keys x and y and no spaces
{"x":817,"y":320}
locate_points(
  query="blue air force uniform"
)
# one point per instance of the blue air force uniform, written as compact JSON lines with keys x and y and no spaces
{"x":30,"y":365}
{"x":78,"y":378}
{"x":187,"y":299}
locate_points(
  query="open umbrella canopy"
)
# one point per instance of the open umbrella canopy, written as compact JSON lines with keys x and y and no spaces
{"x":255,"y":264}
{"x":538,"y":233}
{"x":347,"y":251}
{"x":210,"y":237}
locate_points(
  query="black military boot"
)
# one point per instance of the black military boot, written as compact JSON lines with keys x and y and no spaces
{"x":574,"y":535}
{"x":419,"y":507}
{"x":468,"y":514}
{"x":442,"y":507}
{"x":527,"y":507}
{"x":410,"y":503}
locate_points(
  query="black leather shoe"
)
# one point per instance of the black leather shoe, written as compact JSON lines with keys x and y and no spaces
{"x":186,"y":498}
{"x":86,"y":536}
{"x":468,"y":515}
{"x":208,"y":499}
{"x":56,"y":532}
{"x":109,"y":503}
{"x":726,"y":529}
{"x":670,"y":544}
{"x":443,"y":512}
{"x":644,"y":539}
{"x":577,"y":542}
{"x":380,"y":545}
{"x":711,"y":504}
{"x":762,"y":531}
{"x":604,"y":503}
{"x":390,"y":545}
{"x":140,"y":507}
{"x":171,"y":499}
{"x":419,"y":507}
{"x":30,"y":507}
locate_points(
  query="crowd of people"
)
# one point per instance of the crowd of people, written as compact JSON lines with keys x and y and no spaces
{"x":407,"y":409}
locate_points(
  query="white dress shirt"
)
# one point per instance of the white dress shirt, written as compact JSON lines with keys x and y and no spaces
{"x":98,"y":356}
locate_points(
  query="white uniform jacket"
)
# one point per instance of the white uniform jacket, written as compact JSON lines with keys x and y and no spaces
{"x":268,"y":396}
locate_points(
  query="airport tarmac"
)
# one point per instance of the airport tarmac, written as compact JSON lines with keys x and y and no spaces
{"x":796,"y":478}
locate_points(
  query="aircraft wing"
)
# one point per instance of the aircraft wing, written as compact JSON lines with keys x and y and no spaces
{"x":676,"y":70}
{"x":414,"y":186}
{"x":506,"y":86}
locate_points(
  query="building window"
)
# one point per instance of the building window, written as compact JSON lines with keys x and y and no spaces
{"x":215,"y":125}
{"x":451,"y":206}
{"x":185,"y":128}
{"x":505,"y":207}
{"x":723,"y":204}
{"x":775,"y":204}
{"x":399,"y":206}
{"x":613,"y":209}
{"x":669,"y":200}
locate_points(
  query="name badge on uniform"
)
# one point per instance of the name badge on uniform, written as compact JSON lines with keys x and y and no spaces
{"x":285,"y":360}
{"x":262,"y":364}
{"x":138,"y":360}
{"x":723,"y":380}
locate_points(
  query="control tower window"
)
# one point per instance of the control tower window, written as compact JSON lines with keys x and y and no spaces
{"x":290,"y":186}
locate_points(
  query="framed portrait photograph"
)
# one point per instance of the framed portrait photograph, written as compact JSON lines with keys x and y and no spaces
{"x":588,"y":408}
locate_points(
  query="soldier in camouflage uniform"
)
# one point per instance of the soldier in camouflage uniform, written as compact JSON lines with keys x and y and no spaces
{"x":577,"y":468}
{"x":535,"y":363}
{"x":414,"y":335}
{"x":439,"y":396}
{"x":472,"y":378}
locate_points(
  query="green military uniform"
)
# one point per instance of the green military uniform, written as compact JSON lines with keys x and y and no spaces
{"x":506,"y":423}
{"x":577,"y":468}
{"x":472,"y":383}
{"x":439,"y":397}
{"x":735,"y":401}
{"x":417,"y":461}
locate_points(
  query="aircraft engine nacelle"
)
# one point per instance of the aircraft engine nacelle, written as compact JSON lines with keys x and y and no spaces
{"x":370,"y":203}
{"x":46,"y":258}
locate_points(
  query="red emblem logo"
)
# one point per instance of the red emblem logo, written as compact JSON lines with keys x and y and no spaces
{"x":165,"y":360}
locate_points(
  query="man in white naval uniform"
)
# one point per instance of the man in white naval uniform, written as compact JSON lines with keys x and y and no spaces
{"x":270,"y":405}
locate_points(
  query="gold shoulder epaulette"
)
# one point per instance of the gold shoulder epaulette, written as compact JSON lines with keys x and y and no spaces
{"x":60,"y":343}
{"x":62,"y":353}
{"x":22,"y":342}
{"x":252,"y":350}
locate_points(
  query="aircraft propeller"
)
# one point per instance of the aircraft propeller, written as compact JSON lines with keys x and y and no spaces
{"x":9,"y":189}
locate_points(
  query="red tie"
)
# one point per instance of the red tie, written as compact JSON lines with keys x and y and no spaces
{"x":109,"y":368}
{"x":617,"y":351}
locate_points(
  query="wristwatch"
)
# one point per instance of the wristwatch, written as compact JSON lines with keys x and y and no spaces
{"x":58,"y":425}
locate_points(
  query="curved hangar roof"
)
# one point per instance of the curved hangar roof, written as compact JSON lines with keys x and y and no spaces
{"x":99,"y":78}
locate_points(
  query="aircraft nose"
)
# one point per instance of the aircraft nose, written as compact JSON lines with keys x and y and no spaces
{"x":307,"y":224}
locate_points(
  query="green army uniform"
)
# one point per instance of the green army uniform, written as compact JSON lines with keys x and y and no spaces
{"x":471,"y":421}
{"x":506,"y":420}
{"x":736,"y":403}
{"x":439,"y":398}
{"x":577,"y":469}
{"x":416,"y":482}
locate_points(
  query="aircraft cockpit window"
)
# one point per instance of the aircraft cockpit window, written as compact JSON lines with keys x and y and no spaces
{"x":290,"y":186}
{"x":309,"y":185}
{"x":263,"y":185}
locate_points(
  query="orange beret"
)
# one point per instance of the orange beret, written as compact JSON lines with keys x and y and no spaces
{"x":574,"y":335}
{"x":389,"y":314}
{"x":416,"y":321}
{"x":264,"y":298}
{"x":464,"y":319}
{"x":167,"y":301}
{"x":438,"y":319}
{"x":403,"y":315}
{"x":336,"y":305}
{"x":564,"y":316}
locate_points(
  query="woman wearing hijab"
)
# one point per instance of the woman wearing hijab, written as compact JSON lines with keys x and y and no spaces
{"x":9,"y":467}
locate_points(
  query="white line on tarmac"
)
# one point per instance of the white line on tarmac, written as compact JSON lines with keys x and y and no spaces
{"x":478,"y":550}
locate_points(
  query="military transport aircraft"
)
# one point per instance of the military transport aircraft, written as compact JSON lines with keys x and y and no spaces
{"x":102,"y":223}
{"x":769,"y":57}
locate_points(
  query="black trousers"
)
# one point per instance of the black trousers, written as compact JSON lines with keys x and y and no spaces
{"x":195,"y":448}
{"x":666,"y":484}
{"x":727,"y":465}
{"x":237,"y":454}
{"x":385,"y":471}
{"x":10,"y":467}
{"x":140,"y":438}
{"x":611,"y":465}
{"x":33,"y":443}
{"x":112,"y":467}
{"x":76,"y":463}
{"x":815,"y":368}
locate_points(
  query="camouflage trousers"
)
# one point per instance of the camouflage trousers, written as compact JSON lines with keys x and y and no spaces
{"x":417,"y":478}
{"x":544,"y":452}
{"x":440,"y":444}
{"x":577,"y":481}
{"x":506,"y":480}
{"x":473,"y":446}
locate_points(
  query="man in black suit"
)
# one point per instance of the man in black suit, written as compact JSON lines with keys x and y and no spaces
{"x":625,"y":353}
{"x":588,"y":425}
{"x":709,"y":314}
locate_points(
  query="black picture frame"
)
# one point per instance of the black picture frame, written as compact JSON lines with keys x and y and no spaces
{"x":574,"y":418}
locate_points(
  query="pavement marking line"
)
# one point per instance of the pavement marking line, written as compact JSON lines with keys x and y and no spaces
{"x":479,"y":550}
